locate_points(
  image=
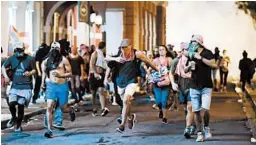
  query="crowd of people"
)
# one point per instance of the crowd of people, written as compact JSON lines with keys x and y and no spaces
{"x":188,"y":75}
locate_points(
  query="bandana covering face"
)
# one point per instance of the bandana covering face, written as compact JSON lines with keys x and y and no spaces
{"x":192,"y":49}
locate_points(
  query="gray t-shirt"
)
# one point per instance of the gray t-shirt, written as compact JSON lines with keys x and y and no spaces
{"x":19,"y":80}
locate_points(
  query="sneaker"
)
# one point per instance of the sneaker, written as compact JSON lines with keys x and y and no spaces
{"x":152,"y":99}
{"x":11,"y":123}
{"x":119,"y":119}
{"x":104,"y":112}
{"x":207,"y":133}
{"x":19,"y":129}
{"x":200,"y":137}
{"x":114,"y":104}
{"x":192,"y":129}
{"x":72,"y":114}
{"x":59,"y":127}
{"x":48,"y":134}
{"x":155,"y":107}
{"x":160,"y":114}
{"x":131,"y":122}
{"x":164,"y":121}
{"x":187,"y":133}
{"x":94,"y":113}
{"x":120,"y":129}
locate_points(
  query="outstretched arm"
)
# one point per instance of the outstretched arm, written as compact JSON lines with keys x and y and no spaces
{"x":140,"y":55}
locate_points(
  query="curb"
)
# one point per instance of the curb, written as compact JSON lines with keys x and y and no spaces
{"x":250,"y":111}
{"x":27,"y":116}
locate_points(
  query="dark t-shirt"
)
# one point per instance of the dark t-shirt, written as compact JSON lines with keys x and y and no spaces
{"x":128,"y":72}
{"x":201,"y":76}
{"x":41,"y":55}
{"x":76,"y":65}
{"x":19,"y":80}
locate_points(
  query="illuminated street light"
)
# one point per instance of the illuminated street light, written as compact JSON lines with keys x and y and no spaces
{"x":92,"y":17}
{"x":98,"y":20}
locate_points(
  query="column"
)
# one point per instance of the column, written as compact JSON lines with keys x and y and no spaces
{"x":29,"y":25}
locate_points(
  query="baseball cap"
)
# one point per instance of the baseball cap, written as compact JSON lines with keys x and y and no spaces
{"x":199,"y":39}
{"x":125,"y":42}
{"x":184,"y":45}
{"x":55,"y":45}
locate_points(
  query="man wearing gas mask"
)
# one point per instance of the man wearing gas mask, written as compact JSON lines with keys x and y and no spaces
{"x":55,"y":71}
{"x":201,"y":63}
{"x":22,"y":70}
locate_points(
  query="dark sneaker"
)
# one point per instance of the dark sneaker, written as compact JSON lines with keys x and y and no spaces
{"x":72,"y":114}
{"x":18,"y":129}
{"x":192,"y":129}
{"x":164,"y":121}
{"x":104,"y":112}
{"x":120,"y":129}
{"x":186,"y":133}
{"x":131,"y":122}
{"x":160,"y":114}
{"x":48,"y":134}
{"x":94,"y":113}
{"x":59,"y":127}
{"x":11,"y":123}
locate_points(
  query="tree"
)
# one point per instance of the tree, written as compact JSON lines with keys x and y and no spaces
{"x":249,"y":7}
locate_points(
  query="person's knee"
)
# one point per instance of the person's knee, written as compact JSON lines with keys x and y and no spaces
{"x":127,"y":100}
{"x":189,"y":107}
{"x":13,"y":103}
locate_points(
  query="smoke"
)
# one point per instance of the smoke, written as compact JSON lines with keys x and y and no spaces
{"x":220,"y":23}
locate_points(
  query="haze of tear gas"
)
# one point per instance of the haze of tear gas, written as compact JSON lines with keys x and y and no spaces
{"x":220,"y":23}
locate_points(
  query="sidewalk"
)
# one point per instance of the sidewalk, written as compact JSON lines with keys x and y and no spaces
{"x":31,"y":111}
{"x":248,"y":99}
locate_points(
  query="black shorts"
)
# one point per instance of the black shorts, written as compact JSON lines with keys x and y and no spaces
{"x":94,"y":83}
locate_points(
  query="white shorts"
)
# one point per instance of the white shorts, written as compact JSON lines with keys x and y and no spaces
{"x":22,"y":97}
{"x":129,"y":90}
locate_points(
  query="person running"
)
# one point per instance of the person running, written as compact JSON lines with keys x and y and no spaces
{"x":214,"y":71}
{"x":201,"y":86}
{"x":98,"y":67}
{"x":161,"y":91}
{"x":179,"y":67}
{"x":41,"y":55}
{"x":23,"y":68}
{"x":247,"y":69}
{"x":55,"y":71}
{"x":127,"y":79}
{"x":78,"y":74}
{"x":224,"y":62}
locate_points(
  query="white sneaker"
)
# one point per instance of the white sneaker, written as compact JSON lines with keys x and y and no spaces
{"x":207,"y":133}
{"x":114,"y":104}
{"x":200,"y":137}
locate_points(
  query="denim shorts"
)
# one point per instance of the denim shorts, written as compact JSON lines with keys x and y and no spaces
{"x":201,"y":98}
{"x":184,"y":98}
{"x":57,"y":92}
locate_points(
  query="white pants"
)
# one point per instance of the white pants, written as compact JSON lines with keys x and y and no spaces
{"x":129,"y":90}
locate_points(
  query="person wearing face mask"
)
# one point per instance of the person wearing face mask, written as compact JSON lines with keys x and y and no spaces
{"x":23,"y":68}
{"x":201,"y":84}
{"x":55,"y":71}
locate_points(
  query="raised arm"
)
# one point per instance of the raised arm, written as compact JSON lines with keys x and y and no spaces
{"x":140,"y":55}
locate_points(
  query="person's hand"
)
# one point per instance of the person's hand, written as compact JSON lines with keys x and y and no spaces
{"x":175,"y":87}
{"x":39,"y":74}
{"x":27,"y":73}
{"x":97,"y":76}
{"x":197,"y":56}
{"x":7,"y":80}
{"x":56,"y":74}
{"x":43,"y":87}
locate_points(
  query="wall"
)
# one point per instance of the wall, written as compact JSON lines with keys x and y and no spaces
{"x":4,"y":27}
{"x":220,"y":23}
{"x":114,"y":30}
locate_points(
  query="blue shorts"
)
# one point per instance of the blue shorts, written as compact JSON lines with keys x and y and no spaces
{"x":57,"y":92}
{"x":201,"y":98}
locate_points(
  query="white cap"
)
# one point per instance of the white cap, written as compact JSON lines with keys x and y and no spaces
{"x":55,"y":45}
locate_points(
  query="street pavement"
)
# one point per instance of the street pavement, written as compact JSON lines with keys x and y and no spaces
{"x":227,"y":124}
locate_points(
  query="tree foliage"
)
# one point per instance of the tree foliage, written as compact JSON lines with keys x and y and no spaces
{"x":249,"y":7}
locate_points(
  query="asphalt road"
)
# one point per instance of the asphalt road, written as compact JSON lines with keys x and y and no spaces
{"x":227,"y":124}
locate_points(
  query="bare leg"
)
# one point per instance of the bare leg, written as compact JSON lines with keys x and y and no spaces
{"x":50,"y":106}
{"x":102,"y":98}
{"x":190,"y":115}
{"x":126,"y":109}
{"x":198,"y":120}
